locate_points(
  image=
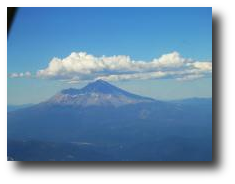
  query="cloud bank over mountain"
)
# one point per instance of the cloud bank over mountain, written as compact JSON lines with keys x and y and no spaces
{"x":80,"y":66}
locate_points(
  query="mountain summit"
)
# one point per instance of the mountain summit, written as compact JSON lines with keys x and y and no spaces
{"x":98,"y":93}
{"x":98,"y":86}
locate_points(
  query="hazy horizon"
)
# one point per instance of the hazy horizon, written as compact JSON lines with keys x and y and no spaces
{"x":123,"y":85}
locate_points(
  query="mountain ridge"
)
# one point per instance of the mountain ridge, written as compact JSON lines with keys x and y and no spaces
{"x":98,"y":93}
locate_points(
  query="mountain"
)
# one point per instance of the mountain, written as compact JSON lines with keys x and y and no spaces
{"x":103,"y":122}
{"x":16,"y":107}
{"x":98,"y":93}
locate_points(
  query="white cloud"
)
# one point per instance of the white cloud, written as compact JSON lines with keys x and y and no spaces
{"x":20,"y":75}
{"x":73,"y":81}
{"x":27,"y":74}
{"x":170,"y":60}
{"x":141,"y":76}
{"x":204,"y":66}
{"x":80,"y":66}
{"x":190,"y":77}
{"x":14,"y":75}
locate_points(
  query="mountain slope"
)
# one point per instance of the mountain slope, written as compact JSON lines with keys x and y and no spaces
{"x":98,"y":93}
{"x":16,"y":107}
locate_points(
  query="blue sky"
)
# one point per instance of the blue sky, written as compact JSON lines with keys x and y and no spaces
{"x":144,"y":34}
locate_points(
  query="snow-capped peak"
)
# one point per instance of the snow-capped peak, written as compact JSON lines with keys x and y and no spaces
{"x":95,"y":94}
